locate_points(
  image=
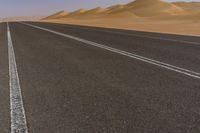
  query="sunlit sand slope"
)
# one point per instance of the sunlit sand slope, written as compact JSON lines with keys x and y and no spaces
{"x":57,"y":15}
{"x":149,"y":15}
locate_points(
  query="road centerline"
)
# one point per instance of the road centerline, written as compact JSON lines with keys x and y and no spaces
{"x":186,"y":72}
{"x":17,"y":112}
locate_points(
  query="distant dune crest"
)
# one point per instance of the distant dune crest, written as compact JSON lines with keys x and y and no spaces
{"x":57,"y":15}
{"x":145,"y":15}
{"x":138,"y":8}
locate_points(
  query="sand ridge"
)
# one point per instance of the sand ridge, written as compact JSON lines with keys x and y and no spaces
{"x":190,"y":7}
{"x":57,"y":15}
{"x":151,"y":15}
{"x":92,"y":13}
{"x":75,"y":13}
{"x":148,"y":8}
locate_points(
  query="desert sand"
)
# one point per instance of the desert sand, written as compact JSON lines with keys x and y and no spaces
{"x":143,"y":15}
{"x":22,"y":18}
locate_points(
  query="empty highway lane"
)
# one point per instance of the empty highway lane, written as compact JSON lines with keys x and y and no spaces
{"x":57,"y":78}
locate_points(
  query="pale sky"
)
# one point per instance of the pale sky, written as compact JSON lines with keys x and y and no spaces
{"x":45,"y":7}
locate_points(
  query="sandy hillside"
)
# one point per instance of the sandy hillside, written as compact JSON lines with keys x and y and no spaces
{"x":148,"y":15}
{"x":57,"y":15}
{"x":149,"y":8}
{"x":115,"y":9}
{"x":76,"y":13}
{"x":93,"y":13}
{"x":190,"y":7}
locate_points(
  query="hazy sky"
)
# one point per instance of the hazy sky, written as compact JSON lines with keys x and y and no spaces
{"x":45,"y":7}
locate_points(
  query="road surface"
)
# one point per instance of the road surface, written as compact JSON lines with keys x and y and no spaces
{"x":57,"y":78}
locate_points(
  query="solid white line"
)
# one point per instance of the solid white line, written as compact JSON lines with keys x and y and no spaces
{"x":157,"y":38}
{"x":138,"y":57}
{"x":18,"y":118}
{"x":143,"y":36}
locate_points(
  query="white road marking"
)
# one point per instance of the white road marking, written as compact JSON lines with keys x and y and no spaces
{"x":131,"y":55}
{"x":18,"y":118}
{"x":143,"y":36}
{"x":157,"y":38}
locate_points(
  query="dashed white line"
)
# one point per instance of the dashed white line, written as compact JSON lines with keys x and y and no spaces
{"x":125,"y":53}
{"x":17,"y":112}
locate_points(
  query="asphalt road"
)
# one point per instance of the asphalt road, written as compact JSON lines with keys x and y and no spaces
{"x":69,"y":86}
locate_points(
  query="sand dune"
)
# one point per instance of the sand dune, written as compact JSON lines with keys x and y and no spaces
{"x":57,"y":15}
{"x":140,"y":8}
{"x":191,"y":7}
{"x":151,"y":15}
{"x":92,"y":13}
{"x":75,"y":13}
{"x":118,"y":11}
{"x":95,"y":11}
{"x":148,"y":8}
{"x":145,"y":8}
{"x":115,"y":9}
